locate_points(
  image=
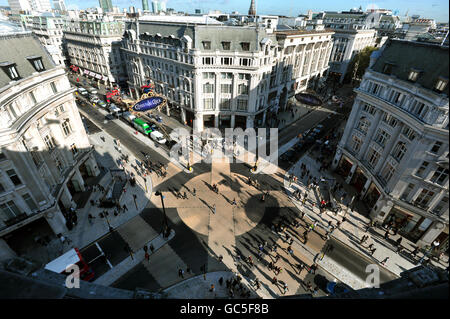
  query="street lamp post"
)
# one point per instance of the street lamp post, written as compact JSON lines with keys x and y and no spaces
{"x":166,"y":225}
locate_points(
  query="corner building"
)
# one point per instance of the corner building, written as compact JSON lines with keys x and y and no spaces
{"x":45,"y":155}
{"x":395,"y":146}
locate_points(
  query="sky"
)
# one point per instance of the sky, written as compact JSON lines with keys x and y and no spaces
{"x":434,"y":9}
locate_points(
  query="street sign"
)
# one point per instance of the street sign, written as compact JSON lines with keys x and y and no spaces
{"x":148,"y":104}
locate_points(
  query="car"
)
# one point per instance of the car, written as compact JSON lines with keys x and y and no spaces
{"x":94,"y":99}
{"x":92,"y":91}
{"x":102,"y":104}
{"x":109,"y":117}
{"x":82,"y":91}
{"x":157,"y":118}
{"x":334,"y":288}
{"x":288,"y":156}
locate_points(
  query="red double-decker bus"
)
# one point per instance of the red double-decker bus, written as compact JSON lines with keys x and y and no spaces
{"x":72,"y":257}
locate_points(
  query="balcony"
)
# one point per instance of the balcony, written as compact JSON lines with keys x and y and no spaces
{"x":16,"y":219}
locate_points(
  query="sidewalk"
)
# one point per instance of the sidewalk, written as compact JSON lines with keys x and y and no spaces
{"x":353,"y":229}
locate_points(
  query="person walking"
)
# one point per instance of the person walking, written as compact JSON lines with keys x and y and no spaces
{"x":185,"y":196}
{"x":152,"y":248}
{"x":194,"y":192}
{"x":91,"y":219}
{"x":233,"y":202}
{"x":285,"y":288}
{"x":221,"y":281}
{"x":125,"y":207}
{"x":147,"y":256}
{"x":180,"y":273}
{"x":415,"y":251}
{"x":386,"y":235}
{"x":383,"y":262}
{"x":372,"y":251}
{"x":212,"y":288}
{"x":274,"y":280}
{"x":214,"y":209}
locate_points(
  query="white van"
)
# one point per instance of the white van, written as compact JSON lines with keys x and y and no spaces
{"x":158,"y":137}
{"x":128,"y":117}
{"x":92,"y":91}
{"x":82,"y":91}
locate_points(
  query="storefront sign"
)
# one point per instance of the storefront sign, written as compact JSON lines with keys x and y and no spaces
{"x":148,"y":104}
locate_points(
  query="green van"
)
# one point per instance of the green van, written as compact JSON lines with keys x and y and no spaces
{"x":142,"y":126}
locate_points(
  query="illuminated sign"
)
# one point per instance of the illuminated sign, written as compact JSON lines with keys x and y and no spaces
{"x":148,"y":104}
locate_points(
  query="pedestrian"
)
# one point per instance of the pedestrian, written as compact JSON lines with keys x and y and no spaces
{"x":308,"y":286}
{"x":125,"y":207}
{"x":399,"y":241}
{"x":180,"y":273}
{"x":386,"y":235}
{"x":363,"y":239}
{"x":214,"y":209}
{"x":91,"y":219}
{"x":270,"y":266}
{"x":194,"y":193}
{"x":185,"y":195}
{"x":316,"y":290}
{"x":277,"y":256}
{"x":373,"y":251}
{"x":274,"y":280}
{"x":221,"y":281}
{"x":152,"y":248}
{"x":147,"y":256}
{"x":220,"y":258}
{"x":233,"y":202}
{"x":383,"y":262}
{"x":212,"y":289}
{"x":228,"y":283}
{"x":285,"y":288}
{"x":415,"y":251}
{"x":188,"y":270}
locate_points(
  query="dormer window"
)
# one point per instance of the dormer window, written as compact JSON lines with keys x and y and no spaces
{"x":226,"y":45}
{"x":387,"y":69}
{"x":441,"y":84}
{"x":207,"y":45}
{"x":413,"y":75}
{"x":10,"y":70}
{"x":245,"y":46}
{"x":36,"y":62}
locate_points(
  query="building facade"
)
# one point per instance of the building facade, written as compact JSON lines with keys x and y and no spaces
{"x":106,"y":5}
{"x":395,"y":146}
{"x":346,"y":44}
{"x":45,"y":155}
{"x":222,"y":76}
{"x":94,"y":47}
{"x":19,"y":5}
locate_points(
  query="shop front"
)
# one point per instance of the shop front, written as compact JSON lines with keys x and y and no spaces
{"x":359,"y":180}
{"x":372,"y":196}
{"x":344,"y":167}
{"x":409,"y":225}
{"x":224,"y":120}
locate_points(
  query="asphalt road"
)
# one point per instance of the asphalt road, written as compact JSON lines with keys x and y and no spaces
{"x":354,"y":262}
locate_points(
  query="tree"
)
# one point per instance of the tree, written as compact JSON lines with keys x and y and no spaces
{"x":359,"y":64}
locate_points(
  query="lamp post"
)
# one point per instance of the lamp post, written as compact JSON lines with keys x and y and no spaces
{"x":166,"y":225}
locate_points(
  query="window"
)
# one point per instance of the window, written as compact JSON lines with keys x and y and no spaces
{"x":407,"y":192}
{"x":436,"y":147}
{"x":74,"y":149}
{"x":10,"y":70}
{"x":439,"y":176}
{"x":13,"y":177}
{"x":225,"y":88}
{"x":413,"y":75}
{"x":387,"y":69}
{"x":208,"y":88}
{"x":369,"y":109}
{"x":424,"y":198}
{"x":208,"y":104}
{"x":382,"y":137}
{"x":33,"y":98}
{"x":441,"y":206}
{"x":419,"y":109}
{"x":226,"y":45}
{"x":207,"y":61}
{"x":9,"y":210}
{"x":356,"y":143}
{"x":208,"y":75}
{"x":53,"y":86}
{"x":363,"y":125}
{"x":396,"y":98}
{"x":37,"y":64}
{"x":387,"y":172}
{"x":50,"y":142}
{"x":244,"y":76}
{"x":66,"y":127}
{"x":206,"y":45}
{"x":374,"y":88}
{"x":421,"y":170}
{"x":373,"y":157}
{"x":409,"y":133}
{"x":30,"y":202}
{"x":245,"y":46}
{"x":225,"y":104}
{"x":58,"y":164}
{"x":441,"y":84}
{"x":242,"y":89}
{"x":245,"y":62}
{"x":390,"y":120}
{"x":399,"y":151}
{"x":227,"y":61}
{"x":226,"y":76}
{"x":242,"y":105}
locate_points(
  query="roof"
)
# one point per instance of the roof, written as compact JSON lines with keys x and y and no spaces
{"x":431,"y":59}
{"x":180,"y":19}
{"x":301,"y":32}
{"x":345,"y":15}
{"x":16,"y":48}
{"x":62,"y":262}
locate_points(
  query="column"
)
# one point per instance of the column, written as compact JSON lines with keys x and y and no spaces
{"x":432,"y":233}
{"x":250,"y":121}
{"x":366,"y":187}
{"x":56,"y":221}
{"x":183,"y":115}
{"x":198,"y":122}
{"x":350,"y":122}
{"x":372,"y":130}
{"x":233,"y":121}
{"x":66,"y":198}
{"x":264,"y":117}
{"x":352,"y":171}
{"x":216,"y":120}
{"x":78,"y":178}
{"x":93,"y":164}
{"x":5,"y":251}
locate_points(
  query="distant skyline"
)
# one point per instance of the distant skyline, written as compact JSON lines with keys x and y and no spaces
{"x":434,"y":9}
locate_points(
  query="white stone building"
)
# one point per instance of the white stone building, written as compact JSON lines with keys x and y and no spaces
{"x":94,"y":47}
{"x":395,"y":146}
{"x":45,"y":155}
{"x":222,"y":76}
